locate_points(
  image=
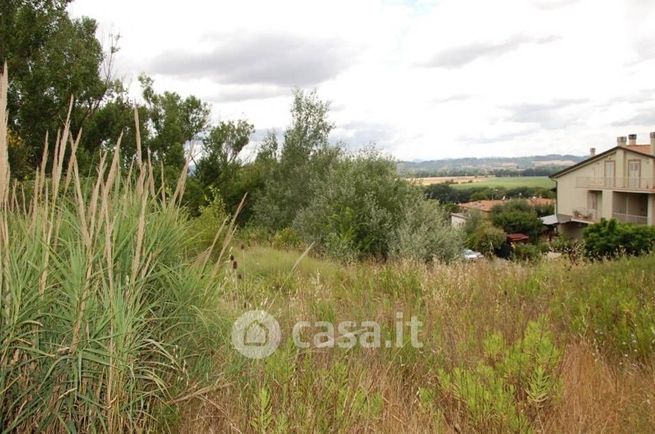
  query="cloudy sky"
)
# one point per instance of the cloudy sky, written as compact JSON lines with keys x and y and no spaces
{"x":421,"y":79}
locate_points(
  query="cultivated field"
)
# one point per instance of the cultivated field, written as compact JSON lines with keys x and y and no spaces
{"x":510,"y":182}
{"x":461,"y":182}
{"x":451,"y":179}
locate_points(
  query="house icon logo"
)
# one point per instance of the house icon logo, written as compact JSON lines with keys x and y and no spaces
{"x":256,"y":334}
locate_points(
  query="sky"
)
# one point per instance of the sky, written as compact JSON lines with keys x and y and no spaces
{"x":419,"y":79}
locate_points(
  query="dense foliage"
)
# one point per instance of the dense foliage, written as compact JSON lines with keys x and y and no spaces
{"x":517,"y":216}
{"x":445,"y":193}
{"x":610,"y":238}
{"x":363,"y":209}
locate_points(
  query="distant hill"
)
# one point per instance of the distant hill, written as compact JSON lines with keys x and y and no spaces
{"x":474,"y":166}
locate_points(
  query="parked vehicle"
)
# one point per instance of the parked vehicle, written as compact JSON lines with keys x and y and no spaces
{"x":471,"y":255}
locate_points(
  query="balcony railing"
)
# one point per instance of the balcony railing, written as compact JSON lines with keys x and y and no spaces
{"x":641,"y":184}
{"x":630,"y":218}
{"x":585,"y":214}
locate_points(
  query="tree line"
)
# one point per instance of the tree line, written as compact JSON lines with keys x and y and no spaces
{"x":297,"y":183}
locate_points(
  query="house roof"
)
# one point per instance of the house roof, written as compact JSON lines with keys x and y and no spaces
{"x":644,"y":150}
{"x":487,"y":205}
{"x":549,"y":220}
{"x":512,"y":238}
{"x":554,"y":219}
{"x":482,"y":205}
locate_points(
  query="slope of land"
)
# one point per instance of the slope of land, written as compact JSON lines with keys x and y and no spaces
{"x":506,"y":347}
{"x":487,"y":164}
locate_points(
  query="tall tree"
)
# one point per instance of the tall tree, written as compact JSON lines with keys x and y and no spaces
{"x":51,"y":57}
{"x":305,"y":155}
{"x":218,"y":170}
{"x":172,"y":121}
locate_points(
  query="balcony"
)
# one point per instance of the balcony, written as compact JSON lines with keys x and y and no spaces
{"x":585,"y":214}
{"x":630,"y":218}
{"x":635,"y":184}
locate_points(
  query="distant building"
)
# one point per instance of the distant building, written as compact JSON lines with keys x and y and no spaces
{"x":459,"y":219}
{"x":618,"y":183}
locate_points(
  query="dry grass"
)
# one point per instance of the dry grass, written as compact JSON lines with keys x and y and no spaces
{"x":460,"y":305}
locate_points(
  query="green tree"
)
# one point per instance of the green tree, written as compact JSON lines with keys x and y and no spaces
{"x":305,"y":156}
{"x":51,"y":57}
{"x":517,"y":216}
{"x":172,"y":121}
{"x":425,"y":234}
{"x":219,"y":166}
{"x":363,"y":209}
{"x":356,"y":207}
{"x":115,"y":117}
{"x":485,"y":238}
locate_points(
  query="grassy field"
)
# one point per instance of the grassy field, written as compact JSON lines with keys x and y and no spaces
{"x":509,"y":182}
{"x":551,"y":347}
{"x":115,"y":316}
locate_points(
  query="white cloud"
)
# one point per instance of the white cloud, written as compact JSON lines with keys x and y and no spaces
{"x":421,"y":79}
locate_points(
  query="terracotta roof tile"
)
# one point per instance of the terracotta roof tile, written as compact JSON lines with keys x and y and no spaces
{"x":644,"y":149}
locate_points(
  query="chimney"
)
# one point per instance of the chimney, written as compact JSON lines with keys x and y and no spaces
{"x":652,"y":143}
{"x":632,"y":139}
{"x":621,"y":141}
{"x":592,"y":151}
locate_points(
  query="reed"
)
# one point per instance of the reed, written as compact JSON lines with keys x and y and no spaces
{"x":96,"y":297}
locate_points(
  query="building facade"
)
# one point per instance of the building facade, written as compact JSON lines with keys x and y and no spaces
{"x":618,"y":183}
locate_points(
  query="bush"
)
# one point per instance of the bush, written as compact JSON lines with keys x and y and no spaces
{"x":517,"y":216}
{"x":286,"y":239}
{"x":609,"y":238}
{"x":203,"y":228}
{"x":511,"y":386}
{"x":362,"y":209}
{"x":527,"y":252}
{"x":425,"y":233}
{"x":486,"y":238}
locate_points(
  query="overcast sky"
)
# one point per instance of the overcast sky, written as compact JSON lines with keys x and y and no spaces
{"x":421,"y":79}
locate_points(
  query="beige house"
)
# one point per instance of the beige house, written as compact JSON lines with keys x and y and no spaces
{"x":618,"y":183}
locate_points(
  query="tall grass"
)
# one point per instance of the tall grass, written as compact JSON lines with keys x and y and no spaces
{"x":98,"y":296}
{"x":507,"y":347}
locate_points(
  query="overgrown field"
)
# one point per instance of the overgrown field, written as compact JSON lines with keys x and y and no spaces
{"x":552,"y":347}
{"x":116,"y":316}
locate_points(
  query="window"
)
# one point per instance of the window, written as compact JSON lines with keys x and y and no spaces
{"x":609,"y":174}
{"x":634,"y":173}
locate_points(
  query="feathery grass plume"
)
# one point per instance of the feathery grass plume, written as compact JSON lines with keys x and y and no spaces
{"x":97,"y":291}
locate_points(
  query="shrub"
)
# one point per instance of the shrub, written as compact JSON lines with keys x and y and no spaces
{"x":212,"y":216}
{"x":286,"y":239}
{"x":609,"y":238}
{"x":475,"y":219}
{"x":425,"y":233}
{"x":517,"y":216}
{"x":508,"y":389}
{"x":363,"y":210}
{"x":527,"y":252}
{"x":486,"y":238}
